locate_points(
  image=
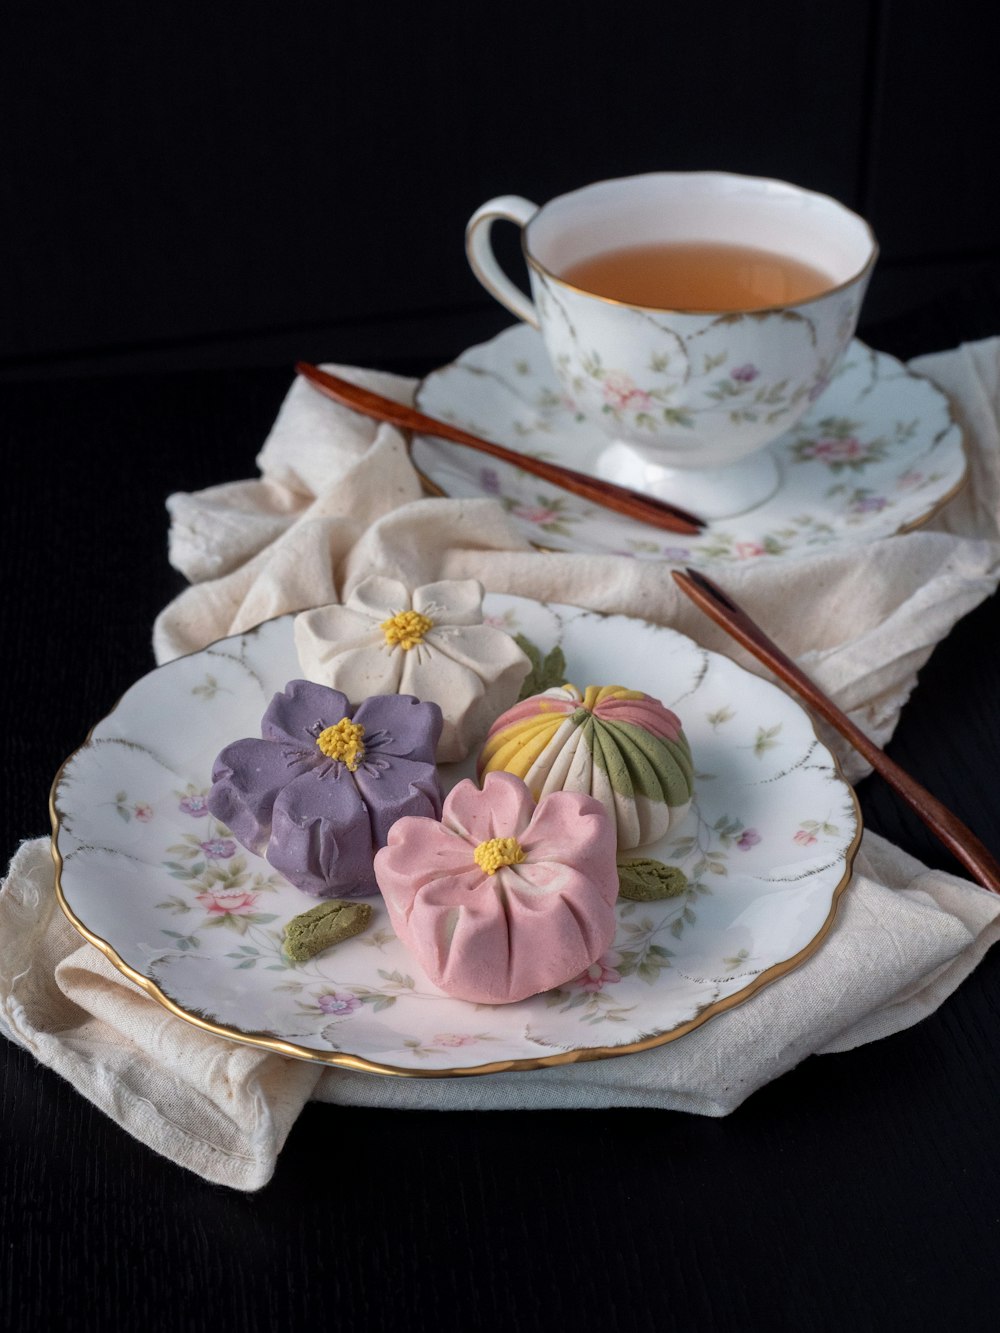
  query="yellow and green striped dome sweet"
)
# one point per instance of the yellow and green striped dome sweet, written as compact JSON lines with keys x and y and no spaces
{"x":621,"y":746}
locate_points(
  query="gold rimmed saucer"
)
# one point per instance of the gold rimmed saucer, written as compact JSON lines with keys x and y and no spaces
{"x":878,"y":454}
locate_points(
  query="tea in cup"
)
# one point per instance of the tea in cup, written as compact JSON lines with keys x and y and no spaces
{"x":692,"y":316}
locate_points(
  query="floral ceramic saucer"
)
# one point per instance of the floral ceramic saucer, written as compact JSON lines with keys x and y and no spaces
{"x":878,"y":453}
{"x":151,"y":878}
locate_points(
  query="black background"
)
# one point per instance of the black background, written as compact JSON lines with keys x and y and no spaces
{"x":200,"y":184}
{"x":194,"y":197}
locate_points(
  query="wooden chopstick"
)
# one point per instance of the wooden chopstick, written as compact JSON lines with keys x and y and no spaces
{"x":960,"y":841}
{"x":644,"y":508}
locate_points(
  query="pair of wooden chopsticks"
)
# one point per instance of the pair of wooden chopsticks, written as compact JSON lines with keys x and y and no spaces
{"x":644,"y":508}
{"x":960,"y":841}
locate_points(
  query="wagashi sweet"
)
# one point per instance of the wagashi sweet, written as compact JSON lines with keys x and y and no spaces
{"x":324,"y":926}
{"x":621,"y":746}
{"x":502,"y":897}
{"x":317,"y":794}
{"x":429,"y":642}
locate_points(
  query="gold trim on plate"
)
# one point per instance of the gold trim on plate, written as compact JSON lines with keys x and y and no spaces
{"x":344,"y":1060}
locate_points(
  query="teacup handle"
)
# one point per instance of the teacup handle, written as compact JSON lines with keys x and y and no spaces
{"x":484,"y":262}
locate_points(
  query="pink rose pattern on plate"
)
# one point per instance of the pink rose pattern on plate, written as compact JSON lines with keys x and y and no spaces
{"x":215,"y":877}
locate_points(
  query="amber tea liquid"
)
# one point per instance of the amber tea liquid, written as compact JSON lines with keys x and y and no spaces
{"x":697,"y":275}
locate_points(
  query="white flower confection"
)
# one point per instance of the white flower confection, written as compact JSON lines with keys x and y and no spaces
{"x":429,"y":642}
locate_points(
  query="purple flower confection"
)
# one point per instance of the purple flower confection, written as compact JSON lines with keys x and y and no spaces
{"x":318,"y":794}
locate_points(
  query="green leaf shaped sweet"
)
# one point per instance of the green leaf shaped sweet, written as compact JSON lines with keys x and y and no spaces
{"x":323,"y":926}
{"x":621,"y":746}
{"x":647,"y":881}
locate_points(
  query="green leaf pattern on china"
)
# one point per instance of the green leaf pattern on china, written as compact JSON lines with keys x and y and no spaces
{"x":546,"y":672}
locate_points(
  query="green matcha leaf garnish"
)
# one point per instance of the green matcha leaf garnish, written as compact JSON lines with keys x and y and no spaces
{"x":545,"y":671}
{"x":323,"y":926}
{"x":645,"y":880}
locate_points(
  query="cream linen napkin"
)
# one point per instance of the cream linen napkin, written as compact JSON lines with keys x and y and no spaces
{"x":903,"y":939}
{"x":337,"y":500}
{"x":221,"y":1109}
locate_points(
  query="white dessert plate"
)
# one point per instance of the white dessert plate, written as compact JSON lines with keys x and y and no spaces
{"x":877,"y":453}
{"x":153,"y":880}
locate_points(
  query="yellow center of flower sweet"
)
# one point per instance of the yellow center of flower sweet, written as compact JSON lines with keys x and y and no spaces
{"x":406,"y":629}
{"x":343,"y":741}
{"x":497,"y":852}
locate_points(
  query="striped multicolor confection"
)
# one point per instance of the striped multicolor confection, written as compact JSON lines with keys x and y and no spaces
{"x":621,"y":746}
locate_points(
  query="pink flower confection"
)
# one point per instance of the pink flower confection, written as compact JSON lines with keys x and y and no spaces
{"x":502,"y":898}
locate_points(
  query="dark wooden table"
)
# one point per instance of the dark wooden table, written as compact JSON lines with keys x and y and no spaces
{"x":860,"y":1191}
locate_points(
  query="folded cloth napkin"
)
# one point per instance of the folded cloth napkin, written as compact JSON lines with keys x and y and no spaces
{"x":337,"y":499}
{"x":903,"y":939}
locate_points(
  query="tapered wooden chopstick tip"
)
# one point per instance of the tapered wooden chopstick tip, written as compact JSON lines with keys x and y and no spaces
{"x":960,"y":841}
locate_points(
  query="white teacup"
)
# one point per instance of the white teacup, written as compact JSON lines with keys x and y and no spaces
{"x":688,"y":398}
